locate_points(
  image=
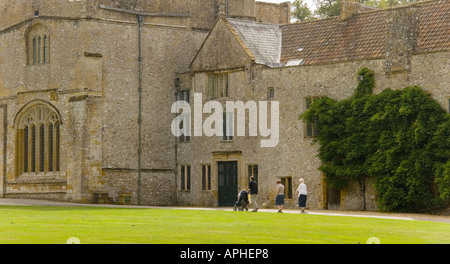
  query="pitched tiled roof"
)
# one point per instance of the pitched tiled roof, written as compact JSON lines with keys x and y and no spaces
{"x":333,"y":39}
{"x":434,"y":26}
{"x":263,"y":41}
{"x":363,"y":36}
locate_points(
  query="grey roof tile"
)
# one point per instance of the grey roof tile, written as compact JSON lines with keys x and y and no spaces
{"x":262,"y":40}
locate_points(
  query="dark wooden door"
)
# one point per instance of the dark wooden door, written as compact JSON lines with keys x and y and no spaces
{"x":228,"y":183}
{"x":334,"y":199}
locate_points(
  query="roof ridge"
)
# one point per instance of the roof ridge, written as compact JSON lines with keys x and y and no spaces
{"x":418,"y":4}
{"x":363,"y":36}
{"x":252,"y":22}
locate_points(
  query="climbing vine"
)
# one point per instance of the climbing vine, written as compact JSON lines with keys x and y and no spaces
{"x":366,"y":82}
{"x":400,"y":137}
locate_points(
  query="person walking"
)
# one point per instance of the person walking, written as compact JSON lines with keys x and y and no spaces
{"x":302,"y":196}
{"x":253,"y":187}
{"x":279,"y":200}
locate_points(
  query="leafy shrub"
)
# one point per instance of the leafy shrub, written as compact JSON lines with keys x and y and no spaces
{"x":402,"y":137}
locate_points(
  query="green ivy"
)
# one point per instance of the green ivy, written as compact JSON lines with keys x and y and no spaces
{"x":401,"y":137}
{"x":366,"y":82}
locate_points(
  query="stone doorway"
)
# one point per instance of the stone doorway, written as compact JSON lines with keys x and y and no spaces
{"x":333,"y":199}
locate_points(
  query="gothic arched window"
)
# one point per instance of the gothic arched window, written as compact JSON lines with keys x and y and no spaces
{"x":38,"y":140}
{"x":38,"y":40}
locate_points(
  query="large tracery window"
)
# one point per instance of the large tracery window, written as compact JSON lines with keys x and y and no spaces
{"x":38,"y":140}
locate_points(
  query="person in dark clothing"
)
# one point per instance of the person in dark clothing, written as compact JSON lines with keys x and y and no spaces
{"x":253,"y":188}
{"x":242,"y":202}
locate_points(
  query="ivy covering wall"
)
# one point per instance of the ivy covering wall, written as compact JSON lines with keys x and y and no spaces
{"x":400,"y":137}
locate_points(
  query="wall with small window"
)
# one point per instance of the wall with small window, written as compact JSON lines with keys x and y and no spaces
{"x":185,"y":177}
{"x":271,"y":93}
{"x":38,"y":44}
{"x":287,"y":182}
{"x":311,"y":129}
{"x":252,"y":171}
{"x":184,"y":96}
{"x":218,"y":85}
{"x":206,"y":178}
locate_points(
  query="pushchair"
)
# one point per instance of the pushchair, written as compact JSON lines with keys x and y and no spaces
{"x":242,"y":202}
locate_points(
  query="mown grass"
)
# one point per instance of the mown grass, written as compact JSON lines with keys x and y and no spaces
{"x":55,"y":225}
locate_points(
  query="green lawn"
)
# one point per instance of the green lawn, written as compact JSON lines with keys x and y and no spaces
{"x":55,"y":225}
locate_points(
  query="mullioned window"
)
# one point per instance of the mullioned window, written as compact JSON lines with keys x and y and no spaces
{"x":38,"y":45}
{"x":38,"y":141}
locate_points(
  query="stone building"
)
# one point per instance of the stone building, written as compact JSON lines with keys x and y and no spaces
{"x":293,"y":64}
{"x":87,"y":87}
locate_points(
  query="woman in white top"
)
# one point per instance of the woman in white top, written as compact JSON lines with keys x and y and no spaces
{"x":302,"y":195}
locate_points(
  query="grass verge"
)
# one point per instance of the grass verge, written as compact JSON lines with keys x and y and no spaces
{"x":92,"y":225}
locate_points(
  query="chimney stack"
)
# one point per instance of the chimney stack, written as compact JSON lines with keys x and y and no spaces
{"x":222,"y":9}
{"x":241,"y":9}
{"x":349,"y":8}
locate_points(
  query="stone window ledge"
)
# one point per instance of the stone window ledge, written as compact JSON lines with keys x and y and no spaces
{"x":38,"y":179}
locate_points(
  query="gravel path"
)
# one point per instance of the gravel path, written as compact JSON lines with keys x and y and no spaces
{"x":400,"y":216}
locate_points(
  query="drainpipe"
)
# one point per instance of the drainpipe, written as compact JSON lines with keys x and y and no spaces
{"x":175,"y":169}
{"x":140,"y":16}
{"x":139,"y":20}
{"x":226,"y":8}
